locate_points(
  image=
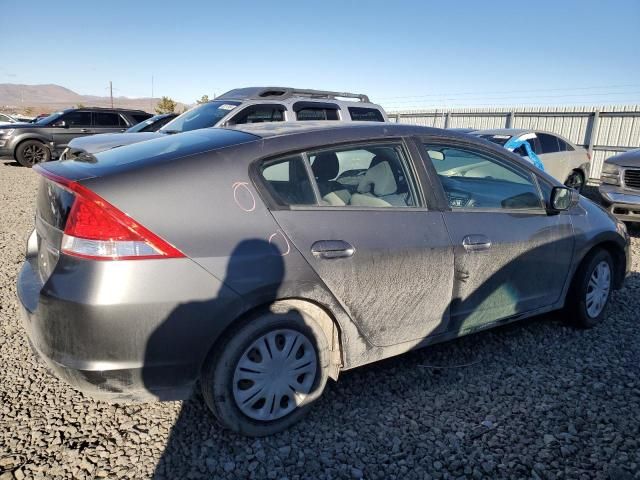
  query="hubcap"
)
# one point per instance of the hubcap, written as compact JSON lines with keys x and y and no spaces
{"x":34,"y":154}
{"x":274,"y":375}
{"x":598,"y":289}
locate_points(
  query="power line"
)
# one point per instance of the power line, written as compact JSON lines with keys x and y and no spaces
{"x":508,"y":97}
{"x":511,"y":104}
{"x":515,"y":91}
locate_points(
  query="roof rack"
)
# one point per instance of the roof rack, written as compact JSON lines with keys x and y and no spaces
{"x":286,"y":92}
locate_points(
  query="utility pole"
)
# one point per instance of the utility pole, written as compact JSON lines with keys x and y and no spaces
{"x":151,"y":106}
{"x":111,"y":92}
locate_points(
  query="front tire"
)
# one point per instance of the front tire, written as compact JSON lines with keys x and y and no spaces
{"x":31,"y":152}
{"x":267,"y":372}
{"x":591,"y":290}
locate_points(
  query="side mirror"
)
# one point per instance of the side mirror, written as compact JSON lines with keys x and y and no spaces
{"x":563,"y":198}
{"x":436,"y":155}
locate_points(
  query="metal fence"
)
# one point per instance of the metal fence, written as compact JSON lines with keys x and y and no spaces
{"x":604,"y":131}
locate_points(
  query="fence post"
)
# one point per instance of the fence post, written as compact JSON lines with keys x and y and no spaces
{"x":593,"y":131}
{"x":510,"y":119}
{"x":447,"y":119}
{"x":596,"y":166}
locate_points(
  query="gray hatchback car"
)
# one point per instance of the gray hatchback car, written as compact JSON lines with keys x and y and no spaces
{"x":263,"y":260}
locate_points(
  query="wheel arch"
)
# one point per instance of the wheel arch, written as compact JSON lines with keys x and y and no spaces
{"x":618,"y":256}
{"x":313,"y":309}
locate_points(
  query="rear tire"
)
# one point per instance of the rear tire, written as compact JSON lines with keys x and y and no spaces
{"x":32,"y":152}
{"x":263,"y":376}
{"x":575,"y":180}
{"x":591,"y":290}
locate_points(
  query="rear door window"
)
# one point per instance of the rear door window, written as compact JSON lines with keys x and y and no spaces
{"x":106,"y":120}
{"x":365,"y":114}
{"x":375,"y":175}
{"x":548,"y":143}
{"x":316,"y":111}
{"x":77,"y":119}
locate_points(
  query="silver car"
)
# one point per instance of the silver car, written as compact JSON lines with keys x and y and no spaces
{"x":562,"y":159}
{"x":260,"y":261}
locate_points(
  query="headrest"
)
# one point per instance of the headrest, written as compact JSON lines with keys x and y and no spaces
{"x":381,"y":178}
{"x":326,"y":166}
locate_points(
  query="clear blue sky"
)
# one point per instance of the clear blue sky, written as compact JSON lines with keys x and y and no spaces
{"x":401,"y":53}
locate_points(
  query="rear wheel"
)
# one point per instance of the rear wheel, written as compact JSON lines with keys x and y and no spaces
{"x":591,"y":290}
{"x":32,"y":152}
{"x":575,"y":180}
{"x":267,"y":373}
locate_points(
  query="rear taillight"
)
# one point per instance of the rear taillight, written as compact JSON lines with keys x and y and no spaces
{"x":96,"y":229}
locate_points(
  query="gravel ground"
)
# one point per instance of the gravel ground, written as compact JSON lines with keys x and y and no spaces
{"x":531,"y":400}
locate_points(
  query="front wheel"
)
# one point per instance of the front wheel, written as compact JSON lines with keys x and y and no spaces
{"x":268,"y":372}
{"x":575,"y":180}
{"x":591,"y":290}
{"x":32,"y":152}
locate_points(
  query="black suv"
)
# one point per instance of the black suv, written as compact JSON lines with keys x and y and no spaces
{"x":31,"y":143}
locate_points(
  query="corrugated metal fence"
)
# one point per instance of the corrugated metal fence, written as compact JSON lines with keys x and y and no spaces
{"x":604,"y":131}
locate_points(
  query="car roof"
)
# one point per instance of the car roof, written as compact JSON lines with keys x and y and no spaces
{"x":283,"y":93}
{"x":275,"y":129}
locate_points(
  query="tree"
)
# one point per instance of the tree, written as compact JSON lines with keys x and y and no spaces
{"x":80,"y":105}
{"x":28,"y":110}
{"x":166,"y":105}
{"x":203,"y":99}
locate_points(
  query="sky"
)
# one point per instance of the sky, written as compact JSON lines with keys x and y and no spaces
{"x":403,"y":54}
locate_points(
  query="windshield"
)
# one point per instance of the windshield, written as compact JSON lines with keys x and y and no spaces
{"x":202,"y":116}
{"x":51,"y":118}
{"x":138,"y":127}
{"x":499,"y":139}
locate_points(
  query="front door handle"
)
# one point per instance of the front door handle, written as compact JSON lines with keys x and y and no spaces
{"x":85,"y":130}
{"x":329,"y":249}
{"x":476,"y":243}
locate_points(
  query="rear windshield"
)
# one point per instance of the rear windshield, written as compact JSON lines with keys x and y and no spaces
{"x":202,"y":116}
{"x":165,"y":148}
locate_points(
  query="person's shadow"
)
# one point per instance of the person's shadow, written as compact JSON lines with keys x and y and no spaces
{"x":196,"y":430}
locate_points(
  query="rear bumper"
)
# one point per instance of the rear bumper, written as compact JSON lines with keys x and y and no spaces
{"x":621,"y":203}
{"x":136,"y":330}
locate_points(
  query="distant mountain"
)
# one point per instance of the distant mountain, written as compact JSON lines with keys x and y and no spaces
{"x":50,"y":98}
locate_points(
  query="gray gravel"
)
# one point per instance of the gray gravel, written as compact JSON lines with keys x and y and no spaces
{"x":531,"y":400}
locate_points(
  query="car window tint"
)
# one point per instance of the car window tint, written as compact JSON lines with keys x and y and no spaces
{"x":365,"y":114}
{"x":259,"y":114}
{"x":548,"y":143}
{"x":363,"y":176}
{"x":77,"y":119}
{"x":473,"y":180}
{"x":317,"y":114}
{"x":564,"y":146}
{"x":140,"y":117}
{"x":106,"y":119}
{"x":288,"y":182}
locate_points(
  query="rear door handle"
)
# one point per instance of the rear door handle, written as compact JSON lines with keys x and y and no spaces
{"x":329,"y":249}
{"x":476,"y":243}
{"x":85,"y":130}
